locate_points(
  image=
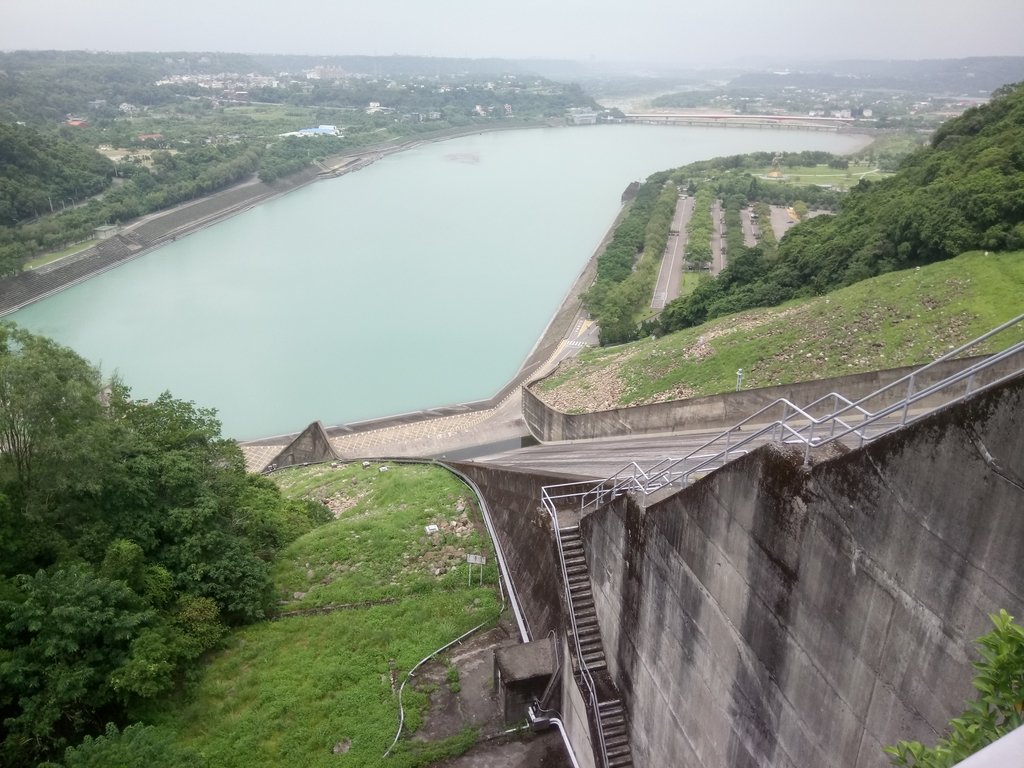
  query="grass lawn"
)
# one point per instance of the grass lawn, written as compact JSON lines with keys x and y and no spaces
{"x":822,"y":174}
{"x":286,"y":692}
{"x":903,"y":318}
{"x":46,"y":258}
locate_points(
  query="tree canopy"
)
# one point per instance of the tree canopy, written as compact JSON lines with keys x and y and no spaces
{"x":130,"y":538}
{"x":964,"y":191}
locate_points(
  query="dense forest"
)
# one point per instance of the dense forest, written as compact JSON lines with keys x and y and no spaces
{"x":131,"y":537}
{"x":38,"y":172}
{"x":964,"y":191}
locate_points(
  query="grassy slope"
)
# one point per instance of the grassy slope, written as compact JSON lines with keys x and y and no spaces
{"x":285,"y":692}
{"x":822,"y":174}
{"x":897,"y":319}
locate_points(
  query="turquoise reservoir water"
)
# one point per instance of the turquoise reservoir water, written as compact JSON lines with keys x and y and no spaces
{"x":420,"y":281}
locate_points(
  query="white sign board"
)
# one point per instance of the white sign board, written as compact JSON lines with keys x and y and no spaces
{"x":476,"y":559}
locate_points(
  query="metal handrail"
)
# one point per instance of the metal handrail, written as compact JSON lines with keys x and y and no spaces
{"x":839,"y":422}
{"x":585,"y":675}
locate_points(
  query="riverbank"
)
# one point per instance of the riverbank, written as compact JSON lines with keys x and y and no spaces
{"x":453,"y":431}
{"x":427,"y":280}
{"x":149,"y":233}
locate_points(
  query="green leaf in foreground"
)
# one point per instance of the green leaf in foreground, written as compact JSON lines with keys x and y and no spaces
{"x":997,"y":709}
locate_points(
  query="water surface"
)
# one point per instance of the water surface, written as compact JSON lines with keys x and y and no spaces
{"x":420,"y":281}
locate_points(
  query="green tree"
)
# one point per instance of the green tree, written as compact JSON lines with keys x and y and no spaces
{"x":997,"y":709}
{"x":137,"y":746}
{"x":63,"y":638}
{"x":47,"y":394}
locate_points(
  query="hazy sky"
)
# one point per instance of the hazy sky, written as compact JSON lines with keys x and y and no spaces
{"x":671,"y":31}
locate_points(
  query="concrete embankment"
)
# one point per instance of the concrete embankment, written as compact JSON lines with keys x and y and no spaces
{"x":776,"y":614}
{"x":155,"y":230}
{"x":141,"y":237}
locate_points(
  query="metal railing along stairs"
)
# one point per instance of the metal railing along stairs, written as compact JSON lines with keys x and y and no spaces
{"x":830,"y":418}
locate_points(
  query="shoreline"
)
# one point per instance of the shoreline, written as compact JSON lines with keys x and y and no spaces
{"x":194,"y":216}
{"x":210,"y":209}
{"x":557,"y":329}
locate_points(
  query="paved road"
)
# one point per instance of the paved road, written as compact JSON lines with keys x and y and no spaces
{"x":749,"y":228}
{"x":717,"y":238}
{"x":603,"y":458}
{"x":670,"y":276}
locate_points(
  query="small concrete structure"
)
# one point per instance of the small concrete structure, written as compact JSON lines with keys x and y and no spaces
{"x":521,"y":674}
{"x":105,"y":232}
{"x":310,"y":447}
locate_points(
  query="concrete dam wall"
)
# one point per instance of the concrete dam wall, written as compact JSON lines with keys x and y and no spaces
{"x":778,"y":615}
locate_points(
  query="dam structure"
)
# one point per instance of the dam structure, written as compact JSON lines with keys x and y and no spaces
{"x":795,"y":592}
{"x":802,"y":588}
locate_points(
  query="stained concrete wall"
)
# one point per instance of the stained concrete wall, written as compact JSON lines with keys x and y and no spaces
{"x":718,"y":411}
{"x":772,"y":615}
{"x":574,"y":714}
{"x":524,"y":532}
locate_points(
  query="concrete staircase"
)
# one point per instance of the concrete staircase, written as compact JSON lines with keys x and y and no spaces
{"x":616,"y":734}
{"x":582,"y":598}
{"x":610,"y":718}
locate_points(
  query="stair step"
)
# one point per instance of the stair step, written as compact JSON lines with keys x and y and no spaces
{"x":619,"y":751}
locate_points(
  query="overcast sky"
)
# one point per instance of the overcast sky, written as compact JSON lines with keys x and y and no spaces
{"x":668,"y":31}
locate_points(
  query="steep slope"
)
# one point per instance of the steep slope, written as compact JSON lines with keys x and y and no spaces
{"x":964,"y":191}
{"x":903,"y":318}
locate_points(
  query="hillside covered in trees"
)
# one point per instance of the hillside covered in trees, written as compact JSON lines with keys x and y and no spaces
{"x":131,"y":538}
{"x":964,"y":191}
{"x":37,"y":172}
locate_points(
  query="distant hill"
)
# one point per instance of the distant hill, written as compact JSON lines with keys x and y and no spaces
{"x":37,"y":172}
{"x":902,"y":318}
{"x":964,"y":191}
{"x":970,"y":76}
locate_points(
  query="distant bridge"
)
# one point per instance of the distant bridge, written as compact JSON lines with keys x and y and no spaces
{"x":794,"y":122}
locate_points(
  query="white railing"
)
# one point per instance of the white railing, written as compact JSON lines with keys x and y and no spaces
{"x":585,"y":676}
{"x":838,"y":419}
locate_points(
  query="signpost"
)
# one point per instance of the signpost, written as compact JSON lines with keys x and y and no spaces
{"x":480,"y":560}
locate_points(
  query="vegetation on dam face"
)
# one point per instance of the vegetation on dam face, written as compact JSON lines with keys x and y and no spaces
{"x":357,"y":602}
{"x":902,"y":318}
